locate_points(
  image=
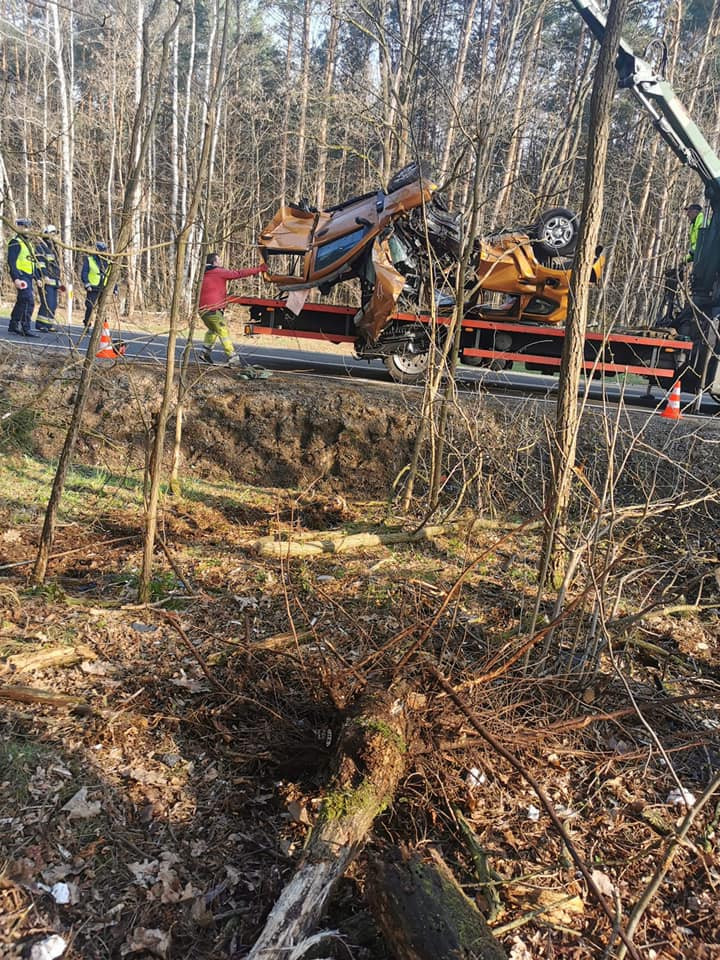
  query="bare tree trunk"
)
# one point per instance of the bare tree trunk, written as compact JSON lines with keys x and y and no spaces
{"x":65,"y":87}
{"x":325,"y":105}
{"x":553,"y":560}
{"x":450,"y":385}
{"x":158,"y":447}
{"x":140,"y":144}
{"x":133,"y":260}
{"x":304,"y":90}
{"x":457,"y":85}
{"x":517,"y":125}
{"x":288,"y":85}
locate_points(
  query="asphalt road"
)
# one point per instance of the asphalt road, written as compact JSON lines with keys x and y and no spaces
{"x":150,"y":349}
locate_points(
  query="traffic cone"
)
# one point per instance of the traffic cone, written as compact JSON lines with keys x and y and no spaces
{"x":108,"y":350}
{"x":672,"y":408}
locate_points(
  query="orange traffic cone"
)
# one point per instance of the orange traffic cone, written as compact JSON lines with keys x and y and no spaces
{"x":672,"y":408}
{"x":108,"y":350}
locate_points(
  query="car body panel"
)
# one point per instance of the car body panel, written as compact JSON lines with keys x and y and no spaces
{"x":327,"y":243}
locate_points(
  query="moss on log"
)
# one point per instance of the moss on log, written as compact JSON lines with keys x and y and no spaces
{"x":423,"y":912}
{"x":369,"y":763}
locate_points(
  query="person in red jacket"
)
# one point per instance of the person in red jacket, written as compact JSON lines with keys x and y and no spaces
{"x":213,"y":297}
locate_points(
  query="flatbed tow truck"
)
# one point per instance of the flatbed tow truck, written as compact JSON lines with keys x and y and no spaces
{"x":685,"y":347}
{"x":484,"y":343}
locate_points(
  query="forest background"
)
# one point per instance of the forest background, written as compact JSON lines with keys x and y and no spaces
{"x":324,"y":99}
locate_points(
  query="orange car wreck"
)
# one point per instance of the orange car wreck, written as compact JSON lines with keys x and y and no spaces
{"x":537,"y":285}
{"x":382,"y":239}
{"x":305,"y":248}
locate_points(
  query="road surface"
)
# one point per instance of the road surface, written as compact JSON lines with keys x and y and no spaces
{"x":151,"y":348}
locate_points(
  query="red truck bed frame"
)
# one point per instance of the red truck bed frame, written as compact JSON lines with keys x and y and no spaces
{"x":538,"y":347}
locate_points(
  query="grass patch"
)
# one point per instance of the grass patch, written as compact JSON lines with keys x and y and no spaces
{"x":19,"y":759}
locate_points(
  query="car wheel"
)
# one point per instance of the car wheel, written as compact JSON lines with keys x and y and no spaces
{"x":556,"y":232}
{"x":402,"y":178}
{"x":407,"y":367}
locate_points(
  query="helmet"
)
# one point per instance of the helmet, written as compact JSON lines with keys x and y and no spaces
{"x":49,"y":229}
{"x":101,"y":245}
{"x":23,"y":222}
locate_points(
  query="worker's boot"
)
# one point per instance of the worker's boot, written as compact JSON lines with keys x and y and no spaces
{"x":206,"y":356}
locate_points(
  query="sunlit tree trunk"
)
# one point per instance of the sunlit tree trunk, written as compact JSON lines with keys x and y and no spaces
{"x":65,"y":87}
{"x":553,"y":560}
{"x":325,"y":105}
{"x":158,"y":447}
{"x":141,"y":135}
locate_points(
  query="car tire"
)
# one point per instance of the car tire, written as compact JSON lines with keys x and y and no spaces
{"x":402,"y":178}
{"x":555,"y":232}
{"x":409,"y":368}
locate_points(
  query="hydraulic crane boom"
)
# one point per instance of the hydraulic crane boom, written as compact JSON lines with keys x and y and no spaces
{"x":682,"y":135}
{"x":655,"y":94}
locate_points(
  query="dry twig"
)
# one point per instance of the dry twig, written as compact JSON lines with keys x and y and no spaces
{"x":542,"y":797}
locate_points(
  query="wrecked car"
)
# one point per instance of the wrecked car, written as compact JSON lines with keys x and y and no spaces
{"x":404,"y":246}
{"x":303,"y":247}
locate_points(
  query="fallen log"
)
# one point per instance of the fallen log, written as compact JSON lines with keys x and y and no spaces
{"x":370,"y":761}
{"x":424,"y":914}
{"x":337,"y":541}
{"x":44,"y":658}
{"x":47,"y":697}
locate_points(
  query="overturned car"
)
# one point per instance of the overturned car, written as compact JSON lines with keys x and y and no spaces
{"x":404,"y":247}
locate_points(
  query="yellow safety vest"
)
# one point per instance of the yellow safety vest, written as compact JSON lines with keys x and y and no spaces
{"x":94,"y":276}
{"x":695,"y":228}
{"x":26,"y":258}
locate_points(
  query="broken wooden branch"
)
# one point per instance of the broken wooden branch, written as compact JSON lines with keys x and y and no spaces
{"x":279,"y":641}
{"x":370,"y":761}
{"x":424,"y":914}
{"x":337,"y":541}
{"x":47,"y":697}
{"x":44,"y":658}
{"x":488,"y":878}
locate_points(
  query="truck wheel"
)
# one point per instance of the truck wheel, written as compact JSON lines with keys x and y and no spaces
{"x":407,"y":367}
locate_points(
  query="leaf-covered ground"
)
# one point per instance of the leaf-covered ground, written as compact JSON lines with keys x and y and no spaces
{"x":161,"y":811}
{"x":168,"y":809}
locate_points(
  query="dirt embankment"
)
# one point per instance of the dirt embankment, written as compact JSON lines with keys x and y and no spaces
{"x":295,"y":431}
{"x":287,"y":431}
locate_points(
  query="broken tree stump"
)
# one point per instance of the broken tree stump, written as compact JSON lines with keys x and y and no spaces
{"x":370,"y":761}
{"x":423,"y":912}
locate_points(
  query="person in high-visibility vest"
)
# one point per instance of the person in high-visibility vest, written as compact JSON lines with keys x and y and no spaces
{"x":697,"y":221}
{"x":94,"y":276}
{"x":23,"y":267}
{"x":49,"y":284}
{"x":675,"y":275}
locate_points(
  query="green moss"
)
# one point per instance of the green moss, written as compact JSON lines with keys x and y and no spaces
{"x":385,"y":730}
{"x":347,"y":803}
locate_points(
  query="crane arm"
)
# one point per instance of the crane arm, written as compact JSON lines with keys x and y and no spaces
{"x":669,"y":116}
